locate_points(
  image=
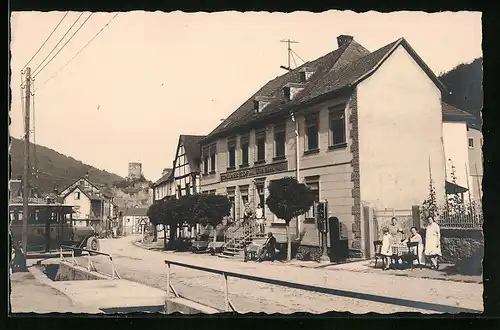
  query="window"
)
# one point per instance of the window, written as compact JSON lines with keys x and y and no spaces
{"x":212,"y":152}
{"x":313,"y":184}
{"x":312,"y":133}
{"x":244,"y":150}
{"x":77,"y":195}
{"x":260,"y":143}
{"x":471,"y":143}
{"x":212,"y":163}
{"x":279,"y":141}
{"x":231,"y":153}
{"x":205,"y":164}
{"x":337,"y":127}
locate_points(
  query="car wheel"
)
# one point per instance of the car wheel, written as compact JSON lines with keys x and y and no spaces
{"x":93,"y":244}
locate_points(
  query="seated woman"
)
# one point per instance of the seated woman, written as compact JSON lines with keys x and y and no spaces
{"x":416,"y":238}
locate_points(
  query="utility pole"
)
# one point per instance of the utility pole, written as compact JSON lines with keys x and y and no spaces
{"x":26,"y":161}
{"x":289,"y":50}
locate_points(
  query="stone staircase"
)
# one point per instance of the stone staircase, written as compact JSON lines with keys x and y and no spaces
{"x":238,"y":236}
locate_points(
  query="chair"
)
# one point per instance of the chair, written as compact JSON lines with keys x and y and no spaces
{"x":377,"y":246}
{"x":413,"y":253}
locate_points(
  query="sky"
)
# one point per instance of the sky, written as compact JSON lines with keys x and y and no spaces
{"x":150,"y":76}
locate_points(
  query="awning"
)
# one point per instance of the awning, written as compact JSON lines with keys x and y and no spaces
{"x":452,"y":188}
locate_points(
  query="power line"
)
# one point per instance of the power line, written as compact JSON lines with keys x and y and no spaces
{"x":74,"y":23}
{"x":35,"y":163}
{"x":298,"y":56}
{"x":64,"y":45}
{"x":50,"y":35}
{"x":80,"y":51}
{"x":293,"y":58}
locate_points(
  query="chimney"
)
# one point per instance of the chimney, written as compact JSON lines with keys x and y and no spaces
{"x":87,"y":175}
{"x":344,"y":40}
{"x":56,"y":189}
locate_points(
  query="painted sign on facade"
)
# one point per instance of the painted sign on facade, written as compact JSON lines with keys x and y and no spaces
{"x":254,"y":171}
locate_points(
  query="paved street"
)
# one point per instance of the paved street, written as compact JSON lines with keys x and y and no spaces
{"x":147,"y":267}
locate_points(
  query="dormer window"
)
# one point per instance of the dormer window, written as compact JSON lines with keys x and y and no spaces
{"x":305,"y":74}
{"x":260,"y":103}
{"x":286,"y":93}
{"x":290,"y":90}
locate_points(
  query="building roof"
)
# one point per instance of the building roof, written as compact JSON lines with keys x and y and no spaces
{"x":450,"y":112}
{"x":164,"y":178}
{"x":453,"y":188}
{"x":136,"y":211}
{"x":336,"y":71}
{"x":192,"y":150}
{"x":86,"y":192}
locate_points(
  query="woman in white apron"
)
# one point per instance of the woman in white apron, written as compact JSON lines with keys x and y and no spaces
{"x":433,"y":242}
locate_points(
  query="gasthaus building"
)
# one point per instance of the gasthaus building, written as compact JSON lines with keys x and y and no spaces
{"x":362,"y":128}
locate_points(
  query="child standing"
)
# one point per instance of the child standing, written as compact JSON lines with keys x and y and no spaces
{"x":386,"y":249}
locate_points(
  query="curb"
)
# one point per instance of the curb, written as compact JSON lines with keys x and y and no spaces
{"x":368,"y":271}
{"x":41,"y":278}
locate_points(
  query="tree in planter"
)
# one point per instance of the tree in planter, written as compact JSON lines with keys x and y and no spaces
{"x":154,"y":214}
{"x":289,"y":199}
{"x":210,"y":210}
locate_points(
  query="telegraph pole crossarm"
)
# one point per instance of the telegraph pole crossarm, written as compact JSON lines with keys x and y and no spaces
{"x":289,"y":50}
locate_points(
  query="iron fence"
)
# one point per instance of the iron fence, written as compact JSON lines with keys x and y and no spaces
{"x":464,"y":216}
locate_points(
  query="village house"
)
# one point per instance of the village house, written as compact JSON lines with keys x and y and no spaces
{"x":134,"y":220}
{"x":164,"y":186}
{"x":187,"y":165}
{"x":93,"y":206}
{"x":463,"y":152}
{"x":359,"y":128}
{"x":475,"y":148}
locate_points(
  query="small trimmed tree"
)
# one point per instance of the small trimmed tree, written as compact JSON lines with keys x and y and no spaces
{"x":210,"y":210}
{"x":154,"y":214}
{"x":289,"y":199}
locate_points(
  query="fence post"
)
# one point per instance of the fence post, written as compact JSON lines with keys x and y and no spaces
{"x":415,"y":214}
{"x":73,"y":256}
{"x":226,"y":293}
{"x":168,"y":280}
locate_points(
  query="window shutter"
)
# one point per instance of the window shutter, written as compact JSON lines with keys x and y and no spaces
{"x":244,"y":139}
{"x":260,"y":133}
{"x":205,"y":151}
{"x":231,"y":142}
{"x":213,"y":149}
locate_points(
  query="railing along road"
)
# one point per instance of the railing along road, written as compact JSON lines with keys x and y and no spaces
{"x":90,"y":265}
{"x":229,"y":307}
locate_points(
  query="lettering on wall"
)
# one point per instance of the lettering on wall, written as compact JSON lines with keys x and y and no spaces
{"x":254,"y":171}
